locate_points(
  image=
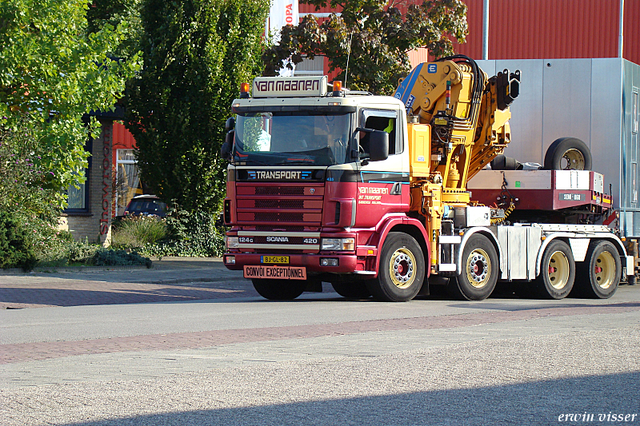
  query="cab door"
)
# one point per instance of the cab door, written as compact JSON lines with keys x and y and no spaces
{"x":383,"y":186}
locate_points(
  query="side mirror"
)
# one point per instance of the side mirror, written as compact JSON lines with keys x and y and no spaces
{"x":230,"y":124}
{"x":227,"y":146}
{"x":378,"y":145}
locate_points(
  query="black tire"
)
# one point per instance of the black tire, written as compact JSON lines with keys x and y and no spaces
{"x":480,"y":270}
{"x":279,"y":289}
{"x":498,"y":163}
{"x":599,"y":275}
{"x":502,"y":162}
{"x":557,"y":271}
{"x":402,"y":269}
{"x":568,"y":154}
{"x":352,"y":290}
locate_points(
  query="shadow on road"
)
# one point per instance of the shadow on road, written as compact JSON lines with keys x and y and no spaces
{"x":605,"y":399}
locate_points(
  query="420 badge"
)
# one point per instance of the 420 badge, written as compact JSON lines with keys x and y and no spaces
{"x":275,"y":272}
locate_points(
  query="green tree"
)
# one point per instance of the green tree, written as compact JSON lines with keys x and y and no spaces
{"x":53,"y":72}
{"x":118,"y":13}
{"x":370,"y":39}
{"x":196,"y":53}
{"x":29,"y":209}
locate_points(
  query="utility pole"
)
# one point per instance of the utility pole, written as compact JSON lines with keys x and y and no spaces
{"x":485,"y":30}
{"x":621,"y":33}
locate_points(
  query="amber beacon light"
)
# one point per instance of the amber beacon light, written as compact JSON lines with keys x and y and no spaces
{"x":244,"y":90}
{"x":337,"y":88}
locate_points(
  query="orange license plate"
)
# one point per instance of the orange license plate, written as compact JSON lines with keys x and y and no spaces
{"x":275,"y":272}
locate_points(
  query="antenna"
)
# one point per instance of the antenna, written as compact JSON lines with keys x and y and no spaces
{"x":346,"y":71}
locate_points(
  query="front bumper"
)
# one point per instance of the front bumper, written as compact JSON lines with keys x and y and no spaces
{"x":346,"y":263}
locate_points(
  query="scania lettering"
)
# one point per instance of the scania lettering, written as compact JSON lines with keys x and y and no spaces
{"x":277,"y":239}
{"x":386,"y":197}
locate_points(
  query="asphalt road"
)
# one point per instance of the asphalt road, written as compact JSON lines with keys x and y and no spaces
{"x":229,"y":357}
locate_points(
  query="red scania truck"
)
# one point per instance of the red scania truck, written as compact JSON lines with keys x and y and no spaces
{"x":371,"y":193}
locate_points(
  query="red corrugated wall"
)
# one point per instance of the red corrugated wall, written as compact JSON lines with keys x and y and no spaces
{"x":528,"y":29}
{"x":534,"y":29}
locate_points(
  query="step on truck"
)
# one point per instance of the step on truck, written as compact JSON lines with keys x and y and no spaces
{"x":372,"y":193}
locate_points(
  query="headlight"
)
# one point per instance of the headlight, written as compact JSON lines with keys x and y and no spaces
{"x":338,"y":244}
{"x":232,"y":242}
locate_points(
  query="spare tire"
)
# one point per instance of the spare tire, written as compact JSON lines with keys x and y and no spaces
{"x":568,"y":154}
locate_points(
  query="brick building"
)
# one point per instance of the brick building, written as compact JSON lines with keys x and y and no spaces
{"x":111,"y":182}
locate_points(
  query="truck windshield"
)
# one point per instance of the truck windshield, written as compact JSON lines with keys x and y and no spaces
{"x":285,"y":138}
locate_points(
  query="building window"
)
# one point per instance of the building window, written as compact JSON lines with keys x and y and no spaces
{"x":77,"y":198}
{"x":128,"y":183}
{"x":635,"y":112}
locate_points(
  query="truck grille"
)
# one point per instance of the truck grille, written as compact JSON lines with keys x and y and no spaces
{"x":279,"y":204}
{"x":284,"y":204}
{"x":279,"y":190}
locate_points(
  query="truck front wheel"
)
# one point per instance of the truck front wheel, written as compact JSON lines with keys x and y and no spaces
{"x":479,"y":274}
{"x":402,"y":269}
{"x":557,"y":271}
{"x":599,"y":275}
{"x":279,"y":289}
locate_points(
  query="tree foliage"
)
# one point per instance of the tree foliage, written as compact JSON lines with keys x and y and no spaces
{"x":25,"y":199}
{"x":52,"y":72}
{"x":370,"y":38}
{"x":117,"y":13}
{"x":195,"y":52}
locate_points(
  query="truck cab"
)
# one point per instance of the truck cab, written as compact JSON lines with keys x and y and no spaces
{"x":316,"y":177}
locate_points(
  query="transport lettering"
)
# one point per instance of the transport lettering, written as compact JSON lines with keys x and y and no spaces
{"x":278,"y":174}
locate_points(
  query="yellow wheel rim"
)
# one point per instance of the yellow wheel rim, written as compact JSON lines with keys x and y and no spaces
{"x":402,"y":268}
{"x":478,"y":268}
{"x":558,"y":270}
{"x":572,"y":160}
{"x":605,"y":270}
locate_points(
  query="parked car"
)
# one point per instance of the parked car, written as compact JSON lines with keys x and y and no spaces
{"x":146,"y":205}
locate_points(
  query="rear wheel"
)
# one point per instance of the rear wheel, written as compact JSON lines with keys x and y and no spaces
{"x":479,"y":274}
{"x":557,"y":271}
{"x":352,"y":290}
{"x":279,"y":289}
{"x":599,"y":275}
{"x":402,"y":269}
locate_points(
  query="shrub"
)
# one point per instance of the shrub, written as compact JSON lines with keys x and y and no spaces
{"x":27,"y":197}
{"x":189,"y":234}
{"x":81,"y":252}
{"x":106,"y":257}
{"x":138,"y":231}
{"x":15,"y":248}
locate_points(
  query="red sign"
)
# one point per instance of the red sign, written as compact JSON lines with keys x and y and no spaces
{"x":105,"y":218}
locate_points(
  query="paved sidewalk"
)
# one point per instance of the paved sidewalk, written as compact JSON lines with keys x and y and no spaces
{"x":169,"y":279}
